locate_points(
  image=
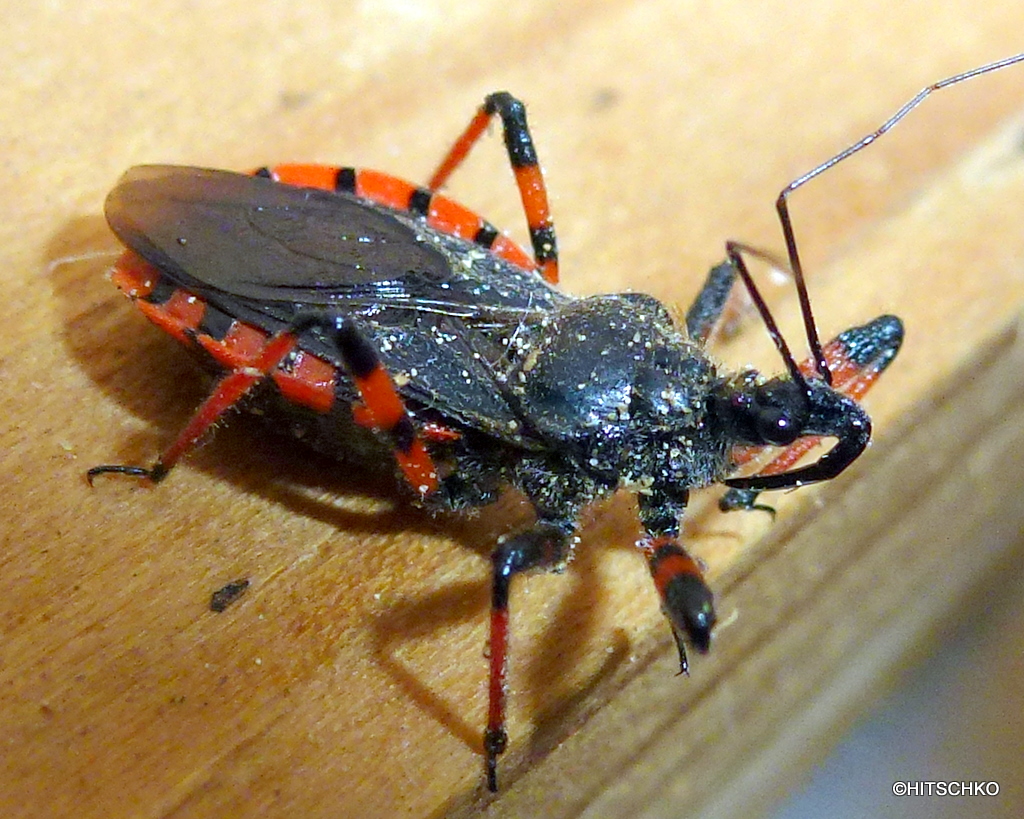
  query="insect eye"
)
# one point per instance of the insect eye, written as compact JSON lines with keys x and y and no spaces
{"x":776,"y":426}
{"x":779,"y":412}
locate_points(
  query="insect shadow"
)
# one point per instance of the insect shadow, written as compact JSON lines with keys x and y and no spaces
{"x":156,"y":380}
{"x":565,"y":642}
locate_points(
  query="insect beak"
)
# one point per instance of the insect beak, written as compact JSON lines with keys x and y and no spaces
{"x":832,"y":415}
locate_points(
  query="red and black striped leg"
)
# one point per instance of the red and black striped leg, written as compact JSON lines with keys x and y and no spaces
{"x":542,"y":547}
{"x":382,"y":409}
{"x":856,"y":358}
{"x":529,"y":178}
{"x":685,"y":597}
{"x":228,"y":392}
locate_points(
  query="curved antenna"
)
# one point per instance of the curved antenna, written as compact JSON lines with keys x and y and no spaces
{"x":782,"y":203}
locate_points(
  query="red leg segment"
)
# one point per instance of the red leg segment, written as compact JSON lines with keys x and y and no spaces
{"x":250,"y":356}
{"x":529,"y":179}
{"x":685,"y":597}
{"x":228,"y":392}
{"x":383,"y":410}
{"x":542,"y":547}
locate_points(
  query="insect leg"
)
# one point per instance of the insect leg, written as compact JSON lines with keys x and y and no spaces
{"x":228,"y":392}
{"x":686,"y":599}
{"x":542,"y":547}
{"x":707,"y":309}
{"x":856,"y":358}
{"x":523,"y":157}
{"x":382,"y":409}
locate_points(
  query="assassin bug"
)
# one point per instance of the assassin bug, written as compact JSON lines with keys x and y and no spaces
{"x":385,"y":317}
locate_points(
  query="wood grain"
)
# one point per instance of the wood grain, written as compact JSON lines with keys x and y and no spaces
{"x":349,"y":680}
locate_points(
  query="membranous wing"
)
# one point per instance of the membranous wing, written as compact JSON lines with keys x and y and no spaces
{"x":438,"y":307}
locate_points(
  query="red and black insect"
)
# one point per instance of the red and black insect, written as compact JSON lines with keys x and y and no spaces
{"x":388,"y":318}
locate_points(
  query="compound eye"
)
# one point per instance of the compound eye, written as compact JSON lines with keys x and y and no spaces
{"x":776,"y":426}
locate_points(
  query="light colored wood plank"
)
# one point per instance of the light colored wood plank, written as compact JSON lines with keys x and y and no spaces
{"x":350,"y":679}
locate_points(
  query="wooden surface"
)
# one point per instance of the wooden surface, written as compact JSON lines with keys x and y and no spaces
{"x":349,"y":679}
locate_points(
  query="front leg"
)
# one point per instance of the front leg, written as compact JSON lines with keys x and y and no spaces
{"x":856,"y":358}
{"x":686,"y":599}
{"x":708,"y":308}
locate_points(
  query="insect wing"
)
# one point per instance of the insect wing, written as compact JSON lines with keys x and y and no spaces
{"x":230,"y":237}
{"x":266,"y":253}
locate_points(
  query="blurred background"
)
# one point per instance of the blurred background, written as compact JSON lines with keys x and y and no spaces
{"x":957,"y":714}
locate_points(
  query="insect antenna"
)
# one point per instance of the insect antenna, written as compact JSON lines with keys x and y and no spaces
{"x":782,"y":206}
{"x":735,"y":252}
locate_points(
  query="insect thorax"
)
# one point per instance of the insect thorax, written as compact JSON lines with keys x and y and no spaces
{"x":615,"y":388}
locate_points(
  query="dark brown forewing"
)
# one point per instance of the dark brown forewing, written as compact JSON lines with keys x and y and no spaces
{"x":228,"y":233}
